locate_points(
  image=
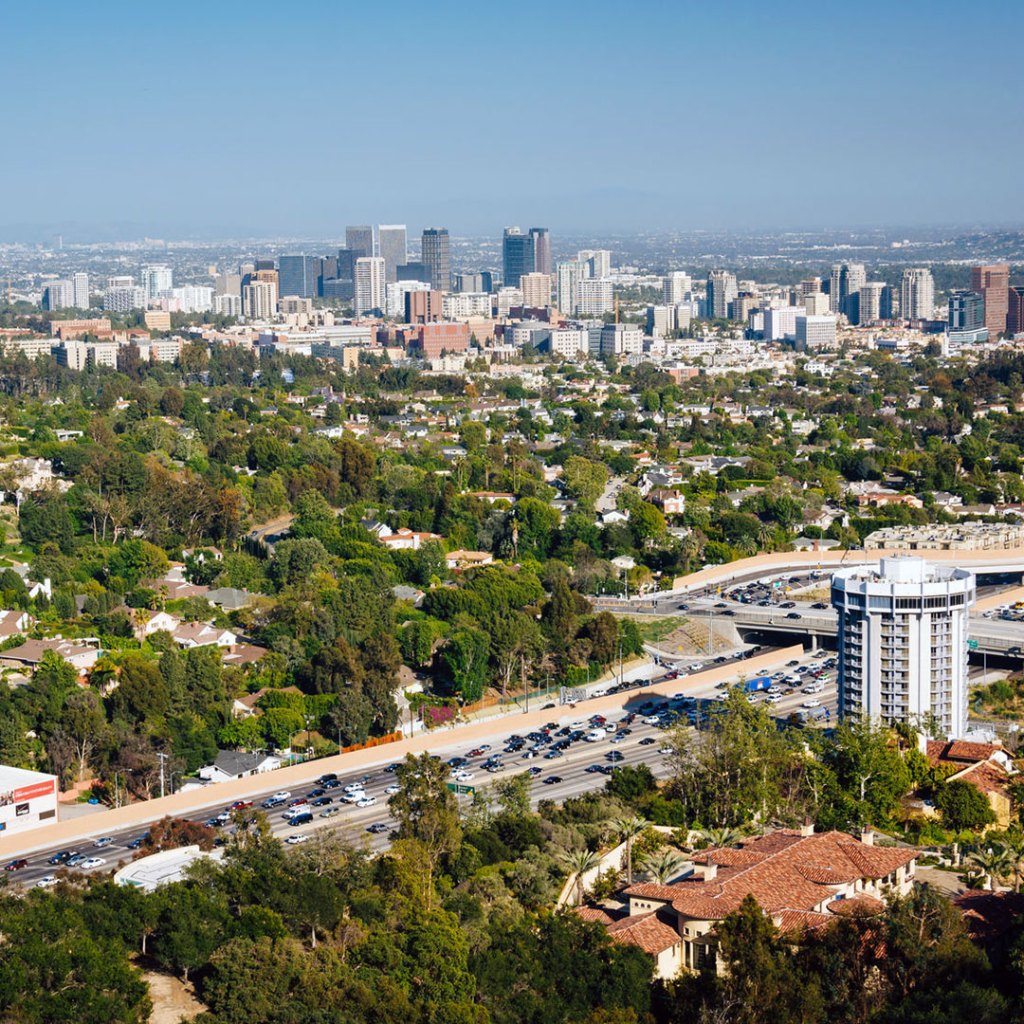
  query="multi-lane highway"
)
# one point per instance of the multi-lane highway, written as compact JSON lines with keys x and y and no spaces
{"x":553,"y":777}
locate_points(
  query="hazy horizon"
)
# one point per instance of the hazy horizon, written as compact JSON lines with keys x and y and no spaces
{"x":235,"y":120}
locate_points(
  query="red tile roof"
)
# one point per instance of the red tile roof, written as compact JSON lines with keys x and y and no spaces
{"x":990,"y":915}
{"x":861,"y":905}
{"x":783,"y":871}
{"x":959,"y":751}
{"x":646,"y":931}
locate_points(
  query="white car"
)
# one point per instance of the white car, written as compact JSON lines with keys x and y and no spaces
{"x":393,"y":789}
{"x":281,"y":795}
{"x":354,"y":787}
{"x":812,"y":703}
{"x":651,"y":720}
{"x":296,"y":839}
{"x":46,"y":881}
{"x":354,"y":797}
{"x":366,"y":801}
{"x":664,"y":750}
{"x":463,"y":776}
{"x":93,"y":862}
{"x":773,"y":698}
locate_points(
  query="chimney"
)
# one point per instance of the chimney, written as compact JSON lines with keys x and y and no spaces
{"x":867,"y":837}
{"x":807,"y":829}
{"x":710,"y":872}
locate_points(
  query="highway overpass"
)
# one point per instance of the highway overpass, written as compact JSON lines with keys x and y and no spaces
{"x":994,"y":636}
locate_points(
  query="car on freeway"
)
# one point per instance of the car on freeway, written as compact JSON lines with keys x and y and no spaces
{"x":393,"y":789}
{"x":366,"y":801}
{"x":302,"y":818}
{"x":103,"y":842}
{"x":137,"y":842}
{"x":463,"y":776}
{"x":297,"y":839}
{"x":330,"y":812}
{"x":377,"y":828}
{"x":60,"y":858}
{"x":353,"y":787}
{"x":614,"y":755}
{"x":93,"y":862}
{"x":322,"y":801}
{"x":16,"y":865}
{"x":240,"y":805}
{"x":281,"y":794}
{"x":813,"y":702}
{"x":327,"y":777}
{"x":552,"y":780}
{"x":46,"y":881}
{"x":647,"y":741}
{"x":76,"y":860}
{"x":793,"y":615}
{"x":552,"y":755}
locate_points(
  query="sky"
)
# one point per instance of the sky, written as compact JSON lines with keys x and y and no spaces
{"x":224,"y":119}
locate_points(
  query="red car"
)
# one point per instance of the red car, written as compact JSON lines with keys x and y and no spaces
{"x":476,"y":752}
{"x":17,"y":865}
{"x":241,"y":805}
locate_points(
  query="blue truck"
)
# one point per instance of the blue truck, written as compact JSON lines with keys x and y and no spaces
{"x":756,"y":683}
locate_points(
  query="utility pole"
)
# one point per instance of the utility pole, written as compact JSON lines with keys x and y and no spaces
{"x":163,"y":759}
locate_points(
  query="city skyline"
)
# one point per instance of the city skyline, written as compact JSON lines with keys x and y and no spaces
{"x":775,"y":75}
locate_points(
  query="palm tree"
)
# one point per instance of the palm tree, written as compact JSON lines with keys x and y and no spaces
{"x":627,"y":829}
{"x":718,"y":837}
{"x":1013,"y":847}
{"x":990,"y":862}
{"x":579,"y":862}
{"x":663,"y":866}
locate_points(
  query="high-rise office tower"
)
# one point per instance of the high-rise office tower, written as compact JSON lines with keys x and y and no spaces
{"x":417,"y":271}
{"x":58,"y":295}
{"x":917,"y":294}
{"x":80,"y":284}
{"x":903,"y":642}
{"x":517,"y":257}
{"x":359,"y":240}
{"x":809,"y":286}
{"x":833,"y":287}
{"x":595,"y":296}
{"x":393,"y":248}
{"x":542,"y":251}
{"x":536,"y":289}
{"x":851,"y":279}
{"x":816,"y":304}
{"x":568,"y":286}
{"x":369,"y":285}
{"x":477,"y":282}
{"x":297,"y":275}
{"x":596,"y":262}
{"x":966,"y":317}
{"x":722,"y":289}
{"x":156,"y":278}
{"x":676,"y":287}
{"x":992,"y":283}
{"x":869,"y":302}
{"x":435,"y":256}
{"x":1014,"y":313}
{"x":259,"y":299}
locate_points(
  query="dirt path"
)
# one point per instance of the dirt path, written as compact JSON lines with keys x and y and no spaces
{"x":172,"y":1000}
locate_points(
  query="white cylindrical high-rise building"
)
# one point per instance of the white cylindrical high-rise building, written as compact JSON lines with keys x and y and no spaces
{"x":903,"y":642}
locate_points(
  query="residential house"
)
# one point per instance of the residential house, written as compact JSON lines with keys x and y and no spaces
{"x":405,"y":539}
{"x":29,"y":654}
{"x":801,"y":879}
{"x":987,"y":766}
{"x":468,"y":559}
{"x":13,"y":623}
{"x":236,"y":764}
{"x":203,"y":634}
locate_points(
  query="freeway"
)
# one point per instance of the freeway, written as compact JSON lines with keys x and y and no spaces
{"x":353,"y":822}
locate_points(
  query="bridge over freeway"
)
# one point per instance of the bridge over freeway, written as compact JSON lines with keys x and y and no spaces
{"x":991,"y":636}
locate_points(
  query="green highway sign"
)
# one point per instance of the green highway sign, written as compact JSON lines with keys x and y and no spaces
{"x":460,"y":789}
{"x":972,"y":645}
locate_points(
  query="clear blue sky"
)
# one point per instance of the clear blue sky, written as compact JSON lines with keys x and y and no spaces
{"x":297,"y":118}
